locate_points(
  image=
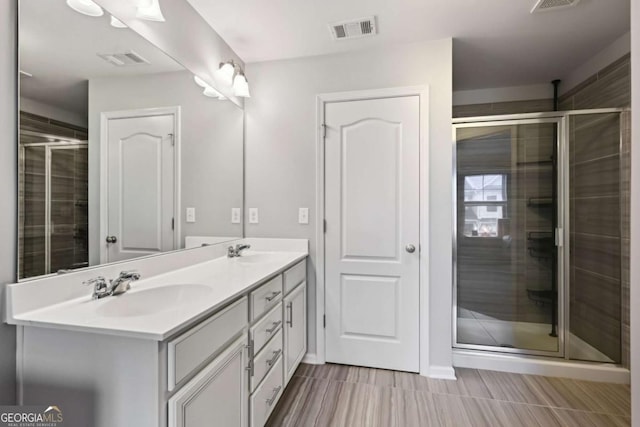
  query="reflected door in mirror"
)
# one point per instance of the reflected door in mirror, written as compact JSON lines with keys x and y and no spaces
{"x":141,"y":182}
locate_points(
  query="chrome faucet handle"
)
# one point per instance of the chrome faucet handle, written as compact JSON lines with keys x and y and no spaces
{"x":100,"y":287}
{"x":97,"y":282}
{"x":129,"y":275}
{"x":231,"y":252}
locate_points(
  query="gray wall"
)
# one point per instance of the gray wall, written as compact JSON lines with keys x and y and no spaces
{"x":281,"y":157}
{"x":211,"y":152}
{"x":8,"y":185}
{"x":635,"y":212}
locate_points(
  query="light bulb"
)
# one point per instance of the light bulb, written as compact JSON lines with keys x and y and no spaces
{"x":241,"y":86}
{"x":200,"y":82}
{"x":116,"y":23}
{"x":225,"y":74}
{"x":86,"y":7}
{"x":150,"y":11}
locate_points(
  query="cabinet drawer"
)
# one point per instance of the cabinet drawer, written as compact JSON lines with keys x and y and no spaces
{"x":266,"y":359}
{"x":197,"y":345}
{"x":265,"y":297}
{"x":266,"y":396}
{"x":295,"y":275}
{"x":267,"y":327}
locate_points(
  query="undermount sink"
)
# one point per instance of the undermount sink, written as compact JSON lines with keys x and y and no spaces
{"x":152,"y":300}
{"x":254,"y":257}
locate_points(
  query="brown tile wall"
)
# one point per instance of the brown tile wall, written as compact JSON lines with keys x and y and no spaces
{"x":69,"y":242}
{"x":600,"y":206}
{"x":600,"y":210}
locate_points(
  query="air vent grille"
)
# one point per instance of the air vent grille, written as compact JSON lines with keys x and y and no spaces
{"x":549,"y":5}
{"x":124,"y":59}
{"x":365,"y":27}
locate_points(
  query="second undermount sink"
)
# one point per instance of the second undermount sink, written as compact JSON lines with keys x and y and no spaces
{"x":152,"y":300}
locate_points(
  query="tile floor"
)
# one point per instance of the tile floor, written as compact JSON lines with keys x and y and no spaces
{"x":480,"y":329}
{"x":337,"y":395}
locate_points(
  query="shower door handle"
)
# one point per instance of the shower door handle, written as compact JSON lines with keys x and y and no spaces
{"x":112,"y":239}
{"x":410,"y":248}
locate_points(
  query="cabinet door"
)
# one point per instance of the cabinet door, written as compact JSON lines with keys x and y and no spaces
{"x":295,"y":329}
{"x":216,"y":396}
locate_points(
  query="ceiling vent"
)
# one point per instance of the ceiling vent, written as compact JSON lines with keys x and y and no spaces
{"x":549,"y":5}
{"x":123,"y":59}
{"x":365,"y":27}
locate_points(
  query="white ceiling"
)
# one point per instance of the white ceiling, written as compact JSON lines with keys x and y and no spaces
{"x":59,"y":47}
{"x":498,"y":43}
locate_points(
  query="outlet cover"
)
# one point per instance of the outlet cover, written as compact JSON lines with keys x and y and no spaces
{"x":191,"y":214}
{"x":235,"y":216}
{"x":253,"y":216}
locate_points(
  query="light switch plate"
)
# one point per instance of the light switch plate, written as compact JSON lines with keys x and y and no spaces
{"x":303,"y":216}
{"x":191,"y":214}
{"x":235,"y":215}
{"x":253,"y":216}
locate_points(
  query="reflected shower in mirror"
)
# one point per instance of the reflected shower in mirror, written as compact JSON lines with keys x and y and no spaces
{"x":121,"y":155}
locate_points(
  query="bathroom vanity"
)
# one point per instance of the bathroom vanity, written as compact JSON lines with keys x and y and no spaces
{"x":213,"y":343}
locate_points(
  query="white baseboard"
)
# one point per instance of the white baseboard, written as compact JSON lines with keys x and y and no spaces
{"x":311,"y":359}
{"x":602,"y":372}
{"x":442,"y":372}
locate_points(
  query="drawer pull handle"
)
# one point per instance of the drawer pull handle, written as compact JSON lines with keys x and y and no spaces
{"x":275,"y":394}
{"x":274,"y":327}
{"x":273,"y":295}
{"x":290,"y":320}
{"x":273,"y":360}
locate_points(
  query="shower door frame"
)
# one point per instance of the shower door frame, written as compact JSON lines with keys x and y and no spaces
{"x":563,"y":214}
{"x":58,"y":143}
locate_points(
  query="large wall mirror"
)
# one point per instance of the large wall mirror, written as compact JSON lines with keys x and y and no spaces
{"x":121,"y":155}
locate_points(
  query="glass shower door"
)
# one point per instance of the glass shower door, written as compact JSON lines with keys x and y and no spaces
{"x":507,"y":212}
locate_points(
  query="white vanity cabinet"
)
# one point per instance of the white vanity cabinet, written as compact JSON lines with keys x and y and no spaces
{"x":227,"y":368}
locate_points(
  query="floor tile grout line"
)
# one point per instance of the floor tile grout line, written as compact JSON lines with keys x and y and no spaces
{"x":493,"y":399}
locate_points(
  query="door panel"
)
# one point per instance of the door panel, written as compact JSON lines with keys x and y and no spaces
{"x":372,"y":212}
{"x":141,"y":180}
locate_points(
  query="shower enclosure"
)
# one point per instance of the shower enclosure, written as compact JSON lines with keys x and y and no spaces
{"x":53,"y":192}
{"x":537,"y":234}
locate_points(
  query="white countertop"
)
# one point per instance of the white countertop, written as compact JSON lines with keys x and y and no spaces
{"x":227,"y":278}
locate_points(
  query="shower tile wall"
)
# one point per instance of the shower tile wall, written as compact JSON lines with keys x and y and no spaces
{"x":69,"y":244}
{"x":610,"y":87}
{"x":601,"y":211}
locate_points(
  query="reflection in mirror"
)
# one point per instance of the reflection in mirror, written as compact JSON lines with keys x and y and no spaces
{"x":121,"y":155}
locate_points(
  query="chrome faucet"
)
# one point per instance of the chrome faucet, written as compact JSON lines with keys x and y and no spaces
{"x":118,"y":286}
{"x":237,"y":251}
{"x":100,"y":287}
{"x":122,"y":283}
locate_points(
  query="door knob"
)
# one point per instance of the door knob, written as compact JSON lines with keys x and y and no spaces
{"x":112,"y":239}
{"x":410,"y":248}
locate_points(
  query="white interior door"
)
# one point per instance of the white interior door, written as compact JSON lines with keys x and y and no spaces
{"x":372,"y":212}
{"x":140,"y":186}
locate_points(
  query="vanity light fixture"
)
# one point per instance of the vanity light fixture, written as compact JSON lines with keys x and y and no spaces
{"x":208,"y":90}
{"x":86,"y":7}
{"x":226,"y":72}
{"x":230,"y":74}
{"x":116,"y":23}
{"x":241,"y":86}
{"x":150,"y":10}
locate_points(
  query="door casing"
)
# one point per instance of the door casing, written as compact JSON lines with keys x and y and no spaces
{"x":104,"y":168}
{"x":423,"y":93}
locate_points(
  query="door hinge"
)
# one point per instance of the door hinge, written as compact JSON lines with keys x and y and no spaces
{"x":173,"y":140}
{"x":324,"y":225}
{"x":173,"y":223}
{"x":324,"y":321}
{"x":324,"y":130}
